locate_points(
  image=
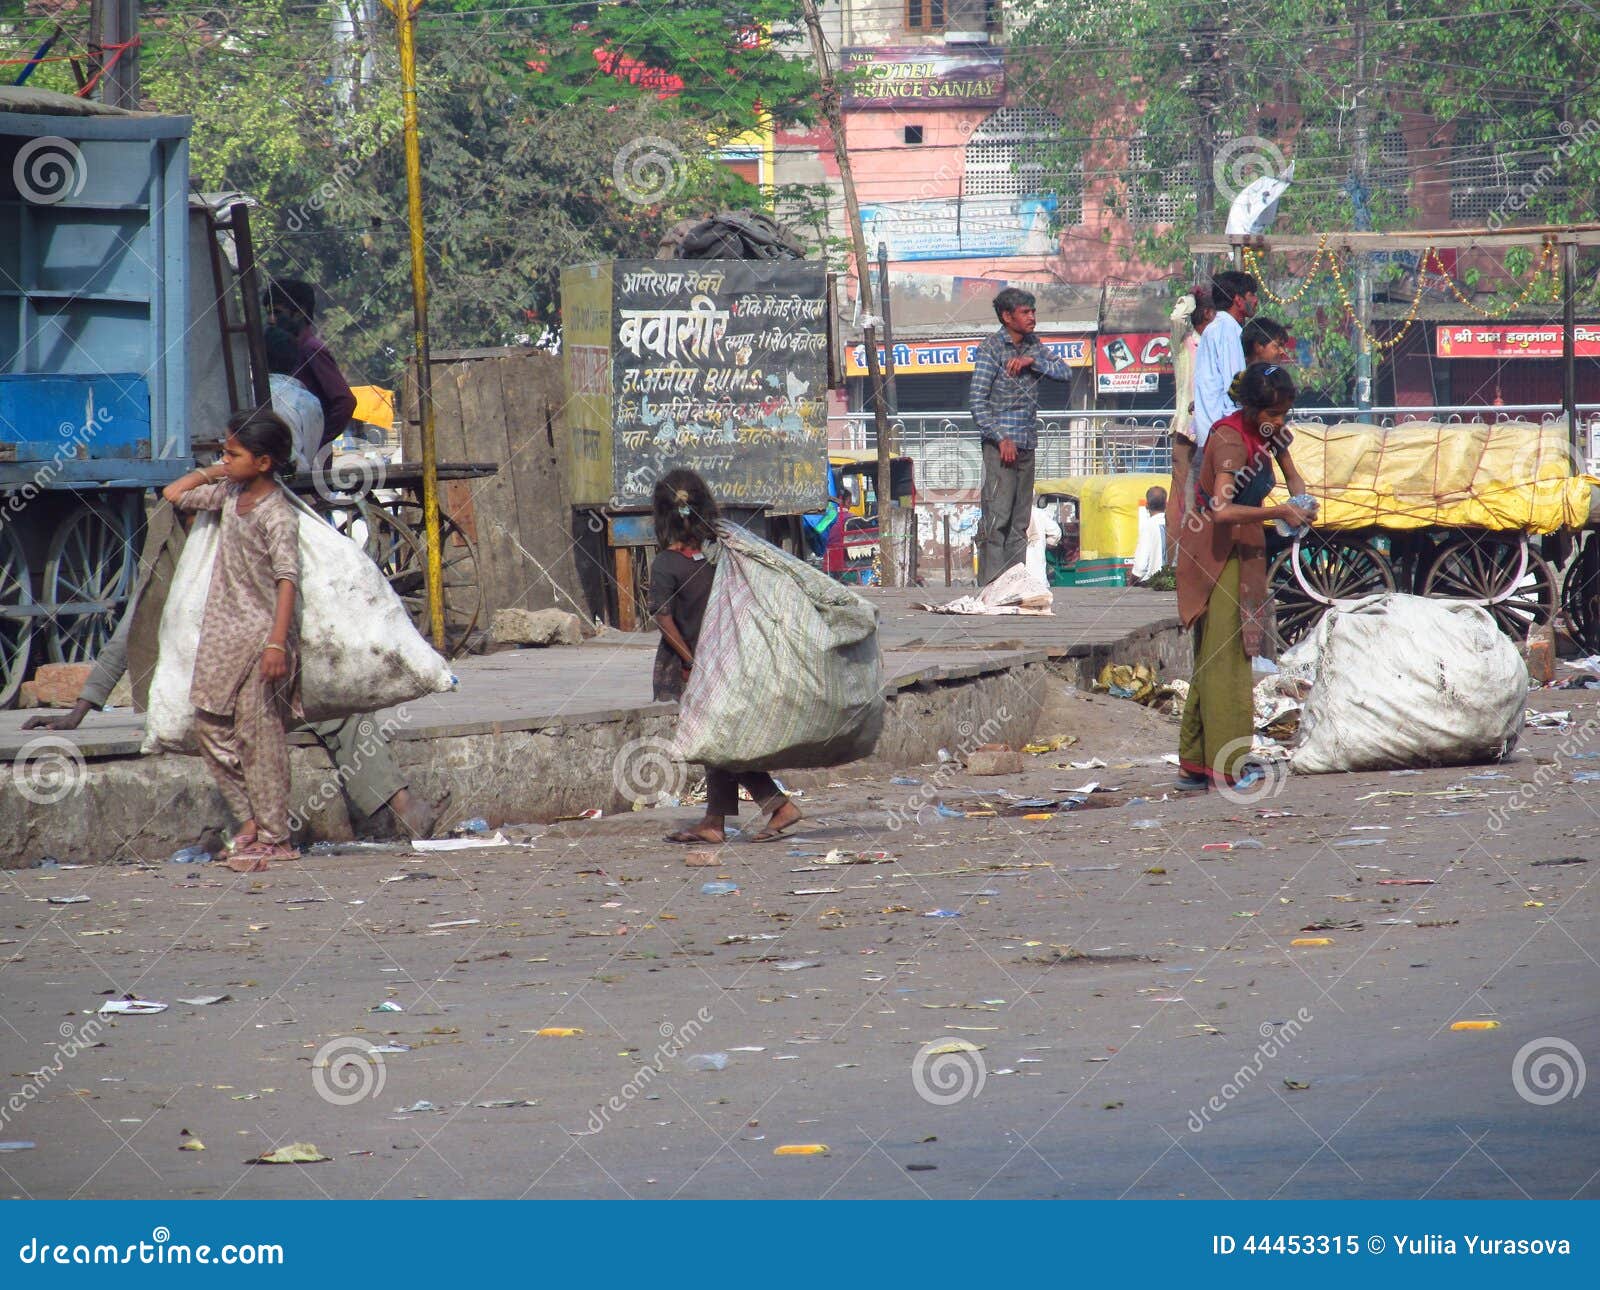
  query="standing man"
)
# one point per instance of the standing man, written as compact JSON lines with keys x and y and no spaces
{"x":1220,"y":356}
{"x":292,"y":305}
{"x":1005,"y":408}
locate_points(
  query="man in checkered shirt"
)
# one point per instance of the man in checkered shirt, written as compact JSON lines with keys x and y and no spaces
{"x":1005,"y":408}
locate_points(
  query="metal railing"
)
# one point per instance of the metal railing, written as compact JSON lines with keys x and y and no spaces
{"x":948,"y":458}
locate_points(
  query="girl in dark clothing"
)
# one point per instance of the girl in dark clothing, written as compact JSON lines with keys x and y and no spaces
{"x":680,"y":587}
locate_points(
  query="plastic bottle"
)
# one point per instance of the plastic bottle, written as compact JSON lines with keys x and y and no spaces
{"x":477,"y":824}
{"x":190,"y":855}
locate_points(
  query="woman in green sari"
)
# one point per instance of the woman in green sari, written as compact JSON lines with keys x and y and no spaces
{"x":1222,"y":572}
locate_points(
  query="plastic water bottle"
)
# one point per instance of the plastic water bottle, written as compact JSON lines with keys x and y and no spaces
{"x":1305,"y":502}
{"x":190,"y":855}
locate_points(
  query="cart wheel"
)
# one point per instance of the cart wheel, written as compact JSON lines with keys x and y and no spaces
{"x":16,"y":630}
{"x":1309,"y":575}
{"x":1512,"y":582}
{"x":1580,"y":597}
{"x":94,"y":555}
{"x":385,"y":531}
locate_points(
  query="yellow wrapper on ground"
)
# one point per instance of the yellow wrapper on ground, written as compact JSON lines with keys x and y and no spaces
{"x":1509,"y":476}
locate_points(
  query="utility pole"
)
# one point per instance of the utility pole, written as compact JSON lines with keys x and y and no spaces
{"x":888,"y":555}
{"x":1207,"y":53}
{"x":404,"y":12}
{"x":1360,"y":198}
{"x":114,"y":23}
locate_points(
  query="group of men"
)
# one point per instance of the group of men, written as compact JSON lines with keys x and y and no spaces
{"x":1004,"y":401}
{"x":311,"y":394}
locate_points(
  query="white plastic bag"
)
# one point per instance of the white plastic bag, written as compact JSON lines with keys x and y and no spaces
{"x":359,"y":651}
{"x":1407,"y":681}
{"x":786,"y":671}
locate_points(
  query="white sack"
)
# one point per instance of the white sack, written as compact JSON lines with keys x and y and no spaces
{"x":359,"y":651}
{"x":1409,"y":681}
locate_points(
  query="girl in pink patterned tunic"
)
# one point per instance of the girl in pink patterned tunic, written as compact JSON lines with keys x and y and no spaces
{"x":246,"y":685}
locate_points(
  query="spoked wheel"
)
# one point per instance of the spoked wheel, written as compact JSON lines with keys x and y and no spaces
{"x":1308,"y":576}
{"x":93,"y":559}
{"x":16,"y":623}
{"x":1504,"y":575}
{"x":1580,"y":595}
{"x":386,"y":533}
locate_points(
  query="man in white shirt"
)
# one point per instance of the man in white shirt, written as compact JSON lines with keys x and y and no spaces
{"x":1220,"y":356}
{"x":291,"y":399}
{"x":1150,"y":556}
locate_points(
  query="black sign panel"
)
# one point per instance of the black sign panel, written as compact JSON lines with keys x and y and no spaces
{"x":720,"y":366}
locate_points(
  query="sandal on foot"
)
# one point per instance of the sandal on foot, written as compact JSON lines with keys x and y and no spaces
{"x":689,"y":838}
{"x":769,"y":833}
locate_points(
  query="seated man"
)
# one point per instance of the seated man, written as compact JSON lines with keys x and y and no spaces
{"x":363,"y":764}
{"x":1150,"y":556}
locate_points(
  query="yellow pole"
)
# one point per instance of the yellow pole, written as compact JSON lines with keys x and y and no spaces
{"x":404,"y":12}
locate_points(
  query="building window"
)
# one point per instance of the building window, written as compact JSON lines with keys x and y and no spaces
{"x":1500,"y":177}
{"x":953,"y":15}
{"x":1019,"y":152}
{"x":924,"y":15}
{"x":913,"y":134}
{"x":1391,"y":177}
{"x":1158,"y":194}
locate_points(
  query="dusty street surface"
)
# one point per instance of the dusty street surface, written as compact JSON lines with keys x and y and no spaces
{"x":1140,"y":1021}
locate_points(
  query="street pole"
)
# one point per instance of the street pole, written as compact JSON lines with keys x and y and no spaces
{"x":1360,"y":193}
{"x":869,"y":323}
{"x":404,"y":12}
{"x":1569,"y":363}
{"x":116,"y":23}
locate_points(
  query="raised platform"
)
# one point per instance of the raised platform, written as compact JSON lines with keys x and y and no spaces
{"x":535,"y":733}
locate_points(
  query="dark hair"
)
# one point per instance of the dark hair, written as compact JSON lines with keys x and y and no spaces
{"x":1155,"y":499}
{"x":263,"y":433}
{"x":292,"y":294}
{"x":684,"y":509}
{"x":1203,"y":306}
{"x":1229,"y":285}
{"x":283,"y":351}
{"x":1259,"y":332}
{"x":1011,"y":298}
{"x":1261,"y":386}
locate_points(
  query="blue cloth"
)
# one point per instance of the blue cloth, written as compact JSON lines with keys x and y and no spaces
{"x":1005,"y":406}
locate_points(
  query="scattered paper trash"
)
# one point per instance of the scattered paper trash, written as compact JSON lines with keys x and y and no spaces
{"x":388,"y":1005}
{"x":719,"y":888}
{"x":296,"y":1153}
{"x":130,"y":1007}
{"x":559,"y":1032}
{"x":707,"y":1062}
{"x":67,"y":900}
{"x":801,"y":1149}
{"x":1475,"y":1025}
{"x":18,"y":1146}
{"x":496,"y":839}
{"x":206,"y":1000}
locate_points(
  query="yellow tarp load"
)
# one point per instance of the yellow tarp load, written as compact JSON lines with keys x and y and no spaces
{"x":1108,"y":509}
{"x":1512,"y":475}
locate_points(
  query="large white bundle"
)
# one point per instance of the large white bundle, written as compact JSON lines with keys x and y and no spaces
{"x":359,"y":651}
{"x":786,"y":672}
{"x":1406,"y":681}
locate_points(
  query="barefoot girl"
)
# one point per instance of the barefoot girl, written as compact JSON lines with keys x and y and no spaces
{"x":1222,"y":571}
{"x":680,"y":586}
{"x":246,"y":685}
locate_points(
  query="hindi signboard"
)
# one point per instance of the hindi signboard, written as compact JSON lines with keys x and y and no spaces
{"x":930,"y":357}
{"x":1515,"y":340}
{"x":953,"y":228}
{"x":719,"y":366}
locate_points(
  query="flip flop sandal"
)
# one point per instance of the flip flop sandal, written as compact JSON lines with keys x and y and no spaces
{"x":247,"y":862}
{"x":685,"y":838}
{"x":770,"y":834}
{"x":240,"y":843}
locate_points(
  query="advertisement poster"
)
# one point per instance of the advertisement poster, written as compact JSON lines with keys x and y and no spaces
{"x":1515,"y":340}
{"x":890,"y":78}
{"x":953,"y":228}
{"x":1132,"y":362}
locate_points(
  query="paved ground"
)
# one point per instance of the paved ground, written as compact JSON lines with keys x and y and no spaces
{"x":528,"y":688}
{"x":1142,"y":1020}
